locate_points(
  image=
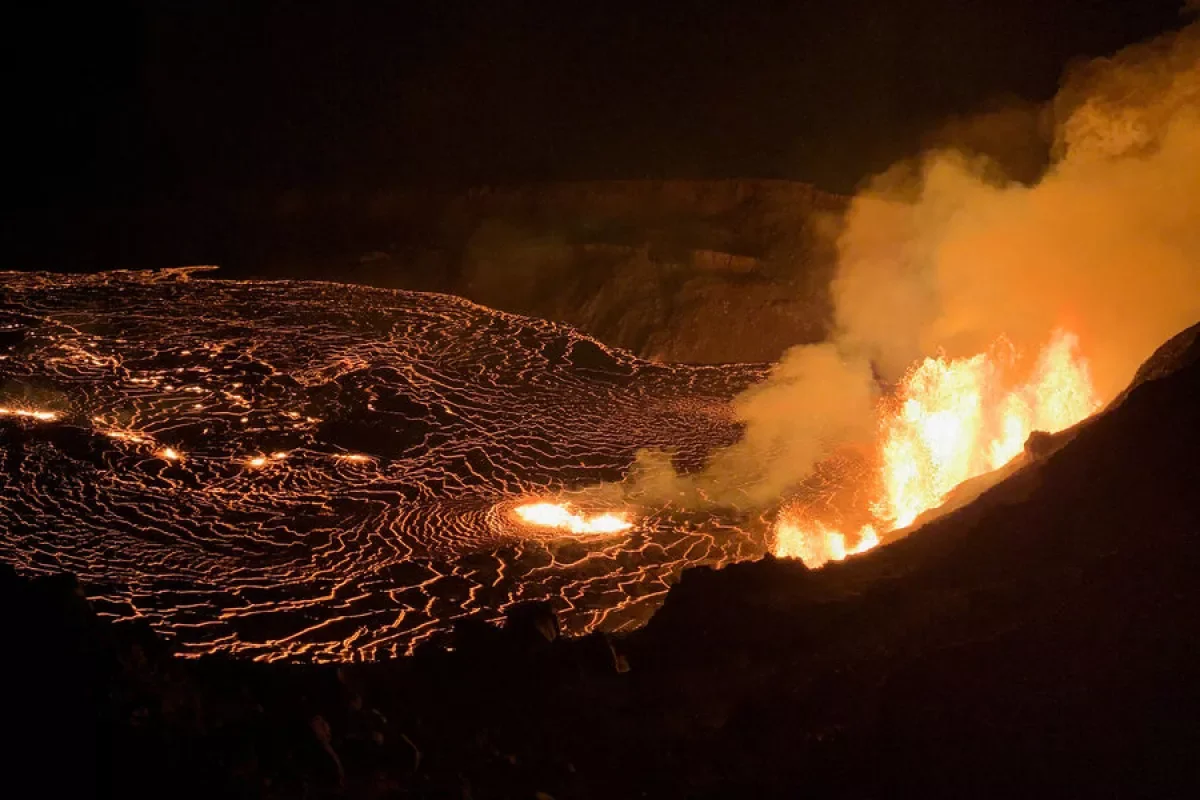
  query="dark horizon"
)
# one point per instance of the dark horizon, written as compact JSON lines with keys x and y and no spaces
{"x":186,"y":104}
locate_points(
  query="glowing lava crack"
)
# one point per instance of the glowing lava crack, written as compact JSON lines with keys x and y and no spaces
{"x":306,"y":470}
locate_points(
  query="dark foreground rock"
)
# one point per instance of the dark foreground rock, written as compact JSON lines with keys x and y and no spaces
{"x":1040,"y":641}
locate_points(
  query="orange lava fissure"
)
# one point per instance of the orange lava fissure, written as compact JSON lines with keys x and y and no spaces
{"x":951,"y":420}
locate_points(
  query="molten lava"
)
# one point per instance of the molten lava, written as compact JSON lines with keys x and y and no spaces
{"x":949,"y":421}
{"x":817,"y":545}
{"x":25,"y":413}
{"x":231,"y":435}
{"x":560,"y":516}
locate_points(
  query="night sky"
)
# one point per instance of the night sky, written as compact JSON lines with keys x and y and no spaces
{"x":135,"y":103}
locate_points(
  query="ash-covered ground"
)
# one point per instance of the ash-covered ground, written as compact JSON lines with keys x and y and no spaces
{"x":312,"y":470}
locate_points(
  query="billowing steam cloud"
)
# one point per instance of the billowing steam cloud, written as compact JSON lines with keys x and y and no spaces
{"x":942,"y":254}
{"x":946,"y":254}
{"x":816,"y":398}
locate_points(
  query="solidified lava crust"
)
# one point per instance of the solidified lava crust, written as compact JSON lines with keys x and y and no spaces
{"x":321,"y":471}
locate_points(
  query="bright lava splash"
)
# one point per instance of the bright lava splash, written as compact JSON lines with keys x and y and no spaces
{"x":27,"y":413}
{"x":949,"y":421}
{"x":815,"y":544}
{"x":561,"y":517}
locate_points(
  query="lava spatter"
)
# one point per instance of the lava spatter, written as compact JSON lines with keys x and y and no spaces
{"x":309,"y":470}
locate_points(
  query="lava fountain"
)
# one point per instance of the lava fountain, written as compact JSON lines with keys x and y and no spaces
{"x":951,"y":420}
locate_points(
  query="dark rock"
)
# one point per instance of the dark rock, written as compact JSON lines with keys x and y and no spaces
{"x":1041,"y":444}
{"x":531,"y":624}
{"x":12,"y":335}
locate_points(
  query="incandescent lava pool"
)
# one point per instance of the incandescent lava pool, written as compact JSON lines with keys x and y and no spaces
{"x":321,"y":471}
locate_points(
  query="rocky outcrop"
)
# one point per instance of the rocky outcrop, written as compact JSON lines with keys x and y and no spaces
{"x":693,"y":271}
{"x":686,"y":270}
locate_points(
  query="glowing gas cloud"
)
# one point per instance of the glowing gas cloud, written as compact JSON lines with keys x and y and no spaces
{"x":946,"y":254}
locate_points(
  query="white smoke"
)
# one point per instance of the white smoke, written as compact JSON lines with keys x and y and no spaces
{"x":944,"y":254}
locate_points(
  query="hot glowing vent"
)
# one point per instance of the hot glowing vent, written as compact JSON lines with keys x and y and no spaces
{"x":560,"y":516}
{"x":817,"y":545}
{"x":40,"y":416}
{"x":949,"y":421}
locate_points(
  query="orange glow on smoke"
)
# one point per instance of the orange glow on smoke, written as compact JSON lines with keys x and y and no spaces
{"x":560,"y":516}
{"x":950,"y":421}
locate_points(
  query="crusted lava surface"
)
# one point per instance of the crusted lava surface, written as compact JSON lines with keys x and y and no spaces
{"x":320,"y":471}
{"x":1038,"y":642}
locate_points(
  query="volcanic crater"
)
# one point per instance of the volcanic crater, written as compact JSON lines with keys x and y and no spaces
{"x":301,"y":470}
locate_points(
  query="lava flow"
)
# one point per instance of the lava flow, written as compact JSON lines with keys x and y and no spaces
{"x":949,"y":421}
{"x":308,"y":470}
{"x":26,"y":413}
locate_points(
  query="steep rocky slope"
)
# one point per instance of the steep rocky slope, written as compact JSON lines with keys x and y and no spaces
{"x":678,"y":270}
{"x":692,"y":271}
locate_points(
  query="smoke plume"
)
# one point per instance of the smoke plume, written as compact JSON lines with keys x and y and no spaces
{"x":815,"y":399}
{"x":946,"y":253}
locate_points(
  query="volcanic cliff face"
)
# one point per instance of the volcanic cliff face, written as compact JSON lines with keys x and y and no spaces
{"x":694,"y":271}
{"x":691,"y":271}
